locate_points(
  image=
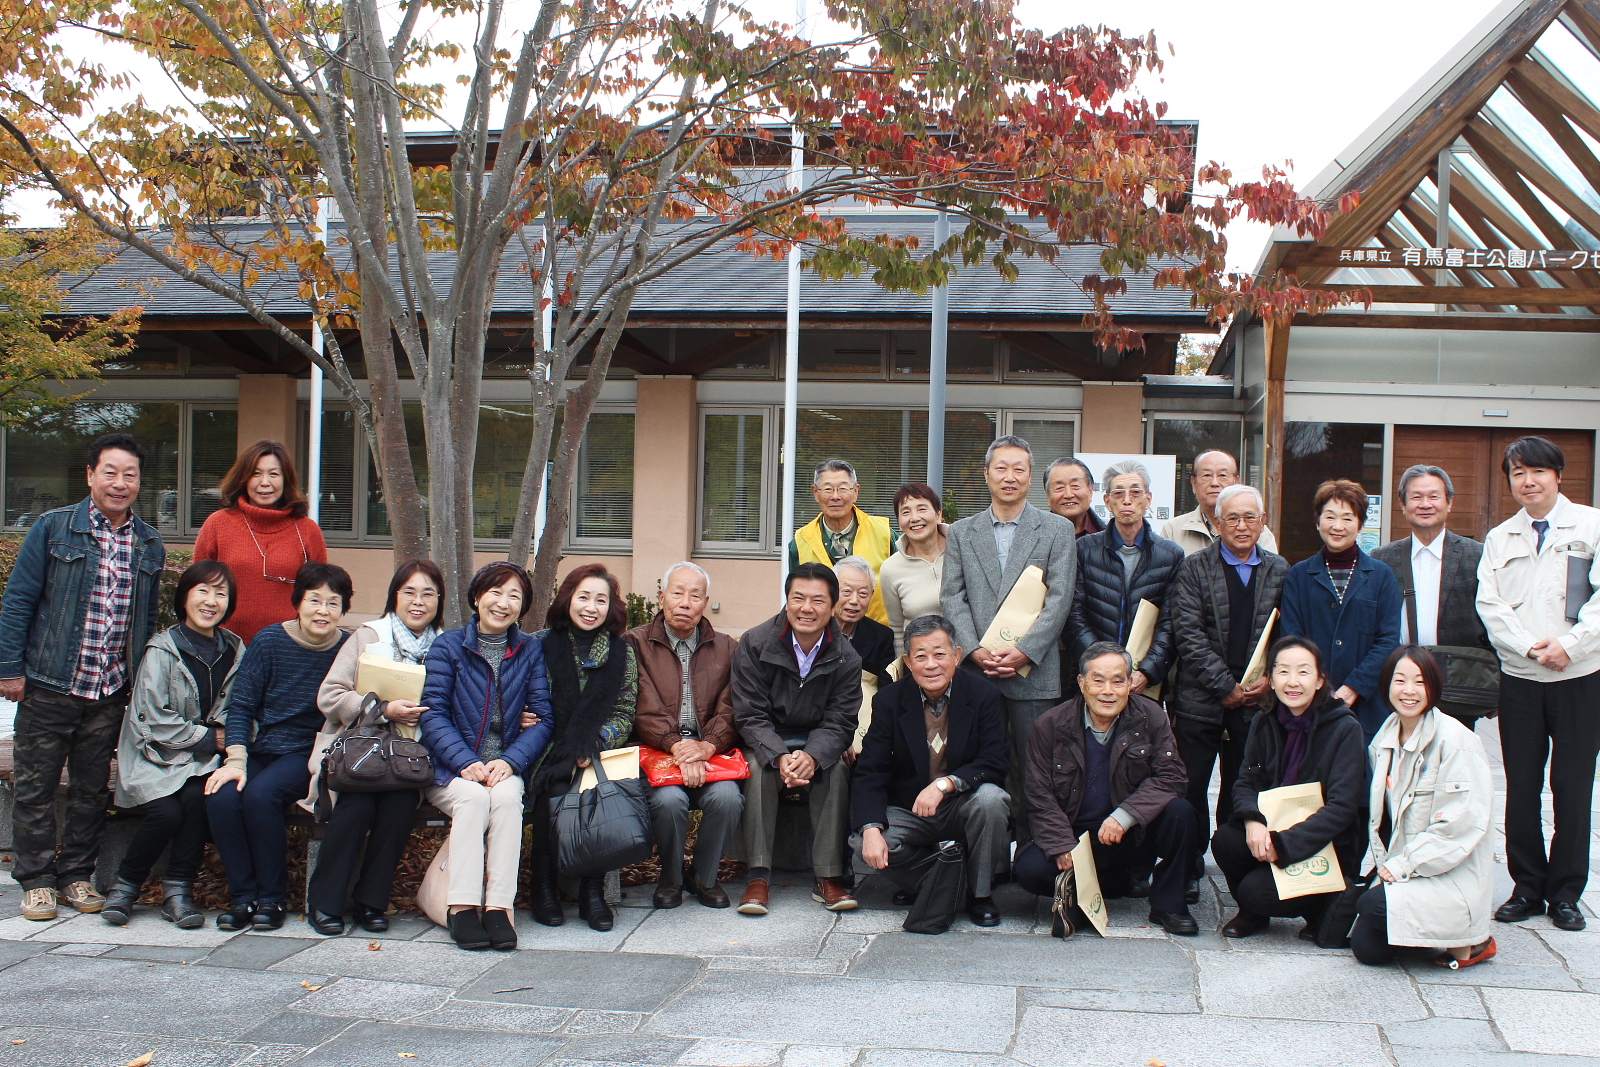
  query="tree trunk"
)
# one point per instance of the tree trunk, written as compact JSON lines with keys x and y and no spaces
{"x":580,"y":403}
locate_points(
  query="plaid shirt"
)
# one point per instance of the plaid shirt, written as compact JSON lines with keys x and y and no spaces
{"x":102,"y":660}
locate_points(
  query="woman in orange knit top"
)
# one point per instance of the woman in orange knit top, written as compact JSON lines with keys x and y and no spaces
{"x":263,"y":534}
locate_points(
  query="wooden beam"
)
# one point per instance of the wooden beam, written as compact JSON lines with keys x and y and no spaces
{"x":1549,"y":115}
{"x":1570,"y":103}
{"x":1277,"y":338}
{"x":638,"y":356}
{"x":1487,"y":295}
{"x":1060,"y":356}
{"x":1537,"y":173}
{"x":1505,"y":172}
{"x":719,"y":352}
{"x":212,"y":347}
{"x":1511,"y":323}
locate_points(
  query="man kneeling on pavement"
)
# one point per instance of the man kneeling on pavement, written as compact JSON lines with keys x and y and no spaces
{"x":933,"y":766}
{"x":1106,"y":763}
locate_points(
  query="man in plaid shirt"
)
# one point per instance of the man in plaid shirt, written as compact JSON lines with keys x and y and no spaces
{"x":79,"y":607}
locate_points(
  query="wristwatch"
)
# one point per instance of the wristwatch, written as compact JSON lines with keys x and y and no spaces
{"x":943,"y":784}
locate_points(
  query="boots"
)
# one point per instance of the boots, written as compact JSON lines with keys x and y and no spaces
{"x":542,"y":888}
{"x":178,"y":906}
{"x":592,"y":903}
{"x":119,"y":902}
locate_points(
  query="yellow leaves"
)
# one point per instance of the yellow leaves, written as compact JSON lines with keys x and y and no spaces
{"x":311,"y":987}
{"x":1155,"y":1063}
{"x":406,"y":1055}
{"x":374,"y":946}
{"x":141,"y":1061}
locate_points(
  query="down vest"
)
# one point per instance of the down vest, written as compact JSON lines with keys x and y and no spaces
{"x":1198,"y":605}
{"x":1100,"y":611}
{"x":459,"y":695}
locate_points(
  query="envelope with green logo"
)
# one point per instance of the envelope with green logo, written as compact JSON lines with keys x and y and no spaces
{"x":1090,"y":900}
{"x":1018,"y":612}
{"x":1287,"y":806}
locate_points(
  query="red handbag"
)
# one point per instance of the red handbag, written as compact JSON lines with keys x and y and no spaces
{"x":660,"y":769}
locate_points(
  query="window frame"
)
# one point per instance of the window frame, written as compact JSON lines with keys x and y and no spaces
{"x":593,"y":546}
{"x":761,"y":548}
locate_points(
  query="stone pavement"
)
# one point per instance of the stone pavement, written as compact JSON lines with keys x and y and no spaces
{"x":798,"y":988}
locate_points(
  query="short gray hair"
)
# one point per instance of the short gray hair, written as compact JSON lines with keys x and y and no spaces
{"x":859,"y":564}
{"x":1010,"y":440}
{"x":1236,"y":489}
{"x":666,"y":579}
{"x":840,"y":465}
{"x":1127,"y":466}
{"x":923,"y":625}
{"x":1068,"y":461}
{"x":1103,"y":648}
{"x":1418,"y":470}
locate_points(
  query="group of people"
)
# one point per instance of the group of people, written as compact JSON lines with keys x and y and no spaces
{"x":896,"y":691}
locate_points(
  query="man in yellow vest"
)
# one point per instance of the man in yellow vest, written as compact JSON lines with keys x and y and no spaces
{"x":842,"y":529}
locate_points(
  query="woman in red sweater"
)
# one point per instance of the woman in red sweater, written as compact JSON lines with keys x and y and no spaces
{"x":263,"y":534}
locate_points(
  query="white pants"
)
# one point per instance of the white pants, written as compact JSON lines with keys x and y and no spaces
{"x":485,"y":830}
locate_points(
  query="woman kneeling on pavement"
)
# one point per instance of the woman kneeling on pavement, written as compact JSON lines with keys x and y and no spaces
{"x":1306,"y":735}
{"x":169,"y":744}
{"x":1429,"y":827}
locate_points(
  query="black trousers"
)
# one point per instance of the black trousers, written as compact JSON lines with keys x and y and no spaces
{"x":1251,"y":883}
{"x":55,"y":732}
{"x":1558,"y":721}
{"x":178,"y":820}
{"x":383,"y":822}
{"x":1370,"y":938}
{"x":1199,"y":746}
{"x":1170,"y":837}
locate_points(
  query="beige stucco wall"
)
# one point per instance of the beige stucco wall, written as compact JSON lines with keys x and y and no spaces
{"x":1113,"y":417}
{"x":268,"y":409}
{"x":664,"y":461}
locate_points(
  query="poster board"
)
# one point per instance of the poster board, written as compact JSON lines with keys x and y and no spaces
{"x":1163,"y":483}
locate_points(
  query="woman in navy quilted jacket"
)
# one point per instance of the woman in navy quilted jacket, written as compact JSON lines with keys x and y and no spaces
{"x":482,"y":680}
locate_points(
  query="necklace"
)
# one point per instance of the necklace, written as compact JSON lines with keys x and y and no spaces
{"x":305,"y":556}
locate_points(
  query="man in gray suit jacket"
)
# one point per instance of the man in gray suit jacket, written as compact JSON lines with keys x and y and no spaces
{"x":984,"y":556}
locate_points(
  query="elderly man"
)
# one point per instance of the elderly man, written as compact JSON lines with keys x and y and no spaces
{"x":1069,"y":487}
{"x":1105,"y":763}
{"x":685,"y":708}
{"x":1120,"y":566}
{"x":985,"y":554}
{"x":79,"y":608}
{"x":932,"y":768}
{"x":872,"y":640}
{"x":1221,"y":600}
{"x":841,"y":529}
{"x":1214,"y":471}
{"x":796,"y":698}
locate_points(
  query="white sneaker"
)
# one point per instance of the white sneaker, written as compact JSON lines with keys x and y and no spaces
{"x":39,"y":904}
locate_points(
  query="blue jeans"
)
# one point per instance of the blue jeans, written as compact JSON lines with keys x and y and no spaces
{"x":248,"y":827}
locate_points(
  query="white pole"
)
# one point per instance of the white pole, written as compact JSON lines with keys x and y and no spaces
{"x":314,"y":442}
{"x":936,"y":366}
{"x":791,"y":362}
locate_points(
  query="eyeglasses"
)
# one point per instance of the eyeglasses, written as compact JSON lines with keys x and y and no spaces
{"x":1240,"y":520}
{"x":1125,"y":494}
{"x":317,"y":603}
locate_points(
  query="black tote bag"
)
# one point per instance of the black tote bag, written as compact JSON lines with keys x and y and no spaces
{"x":942,"y":892}
{"x":603,"y":828}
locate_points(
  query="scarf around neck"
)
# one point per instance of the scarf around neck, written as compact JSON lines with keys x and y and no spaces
{"x":1297,"y":740}
{"x":411,"y":647}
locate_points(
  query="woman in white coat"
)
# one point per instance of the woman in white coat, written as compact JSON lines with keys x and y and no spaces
{"x":1429,"y":827}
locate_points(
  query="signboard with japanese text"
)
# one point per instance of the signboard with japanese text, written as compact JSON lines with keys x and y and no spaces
{"x":1163,"y":478}
{"x":1468,"y":258}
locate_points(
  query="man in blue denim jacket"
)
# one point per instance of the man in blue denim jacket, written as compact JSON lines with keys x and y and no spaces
{"x":79,"y":608}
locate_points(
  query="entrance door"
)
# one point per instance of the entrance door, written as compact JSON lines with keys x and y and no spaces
{"x":1472,"y":454}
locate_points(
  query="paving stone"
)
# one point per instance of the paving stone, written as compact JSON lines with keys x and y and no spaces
{"x":620,"y":981}
{"x":899,"y":1057}
{"x":819,"y":1056}
{"x":299,"y":1028}
{"x":252,"y":952}
{"x":819,"y":1010}
{"x":1549,"y":1022}
{"x":273,"y":1056}
{"x":1465,"y":1035}
{"x":604,"y":1022}
{"x":1058,"y":1037}
{"x":1580,"y":951}
{"x":146,"y":928}
{"x":17,"y":951}
{"x":473,"y":1015}
{"x":157,"y":953}
{"x":81,"y":950}
{"x":1115,"y":1000}
{"x":625,"y":1048}
{"x":403,"y":926}
{"x":395,"y":961}
{"x":1415,"y":1057}
{"x":1454,"y":1002}
{"x":1495,"y":973}
{"x":376,"y":1044}
{"x":794,"y":930}
{"x":841,"y":945}
{"x":159,"y":999}
{"x":718,"y":1053}
{"x":49,"y":1047}
{"x":1086,"y":962}
{"x":1333,"y":989}
{"x":20,"y":929}
{"x":783,"y":963}
{"x":572,"y":936}
{"x":366,"y":999}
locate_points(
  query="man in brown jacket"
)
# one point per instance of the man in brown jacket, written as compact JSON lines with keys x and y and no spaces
{"x":686,"y":709}
{"x":1105,"y":763}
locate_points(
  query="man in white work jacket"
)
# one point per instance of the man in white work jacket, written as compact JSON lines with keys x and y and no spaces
{"x":1537,"y":595}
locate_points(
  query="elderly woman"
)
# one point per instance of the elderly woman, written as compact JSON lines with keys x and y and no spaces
{"x":1305,"y":735}
{"x":910,"y":579}
{"x":372,"y":827}
{"x":1429,"y":827}
{"x":1346,"y":602}
{"x":872,"y":640}
{"x":482,"y":680}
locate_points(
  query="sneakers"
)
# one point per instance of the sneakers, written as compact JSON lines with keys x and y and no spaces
{"x":39,"y":904}
{"x":83,"y":896}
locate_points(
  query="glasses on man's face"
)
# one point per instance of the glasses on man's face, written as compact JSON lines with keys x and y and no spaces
{"x":1247,"y":519}
{"x":1125,"y":494}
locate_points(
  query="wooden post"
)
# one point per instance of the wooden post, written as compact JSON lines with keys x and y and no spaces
{"x":1277,"y":338}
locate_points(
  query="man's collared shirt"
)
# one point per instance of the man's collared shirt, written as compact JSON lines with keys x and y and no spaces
{"x":1427,"y":569}
{"x":1004,"y":534}
{"x":1243,"y":567}
{"x":841,"y":543}
{"x":102,"y":665}
{"x":688,"y":721}
{"x":806,"y":660}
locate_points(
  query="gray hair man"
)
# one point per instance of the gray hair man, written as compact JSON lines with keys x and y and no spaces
{"x":1069,"y":488}
{"x":1214,"y":471}
{"x":841,"y":528}
{"x":872,"y":640}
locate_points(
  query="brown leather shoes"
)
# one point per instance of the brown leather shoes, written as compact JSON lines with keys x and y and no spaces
{"x":831,"y":894}
{"x":754,"y":901}
{"x":1244,"y":923}
{"x":712,"y":896}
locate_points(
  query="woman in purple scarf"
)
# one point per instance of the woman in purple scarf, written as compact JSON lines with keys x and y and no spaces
{"x":1306,"y":735}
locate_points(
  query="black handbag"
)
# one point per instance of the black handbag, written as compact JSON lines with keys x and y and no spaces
{"x":1064,"y":907}
{"x":371,"y":756}
{"x":603,"y":828}
{"x":1471,"y":675}
{"x":942,"y":891}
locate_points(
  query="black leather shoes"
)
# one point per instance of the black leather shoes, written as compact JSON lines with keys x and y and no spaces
{"x":982,"y":912}
{"x":371,"y":919}
{"x":667,"y":896}
{"x":902,"y":899}
{"x":502,"y":933}
{"x":466,"y":930}
{"x":592,"y":906}
{"x":237,"y":917}
{"x":1564,"y":915}
{"x":1139,"y":885}
{"x":325,"y":924}
{"x":1179,"y":924}
{"x":1518,"y":908}
{"x":710,"y":896}
{"x":270,"y":916}
{"x":1244,"y":923}
{"x":1191,"y":891}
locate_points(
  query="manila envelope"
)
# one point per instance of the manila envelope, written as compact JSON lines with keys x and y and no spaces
{"x":619,"y":763}
{"x":1020,"y":610}
{"x":1287,"y":806}
{"x":1090,"y":900}
{"x":388,"y":679}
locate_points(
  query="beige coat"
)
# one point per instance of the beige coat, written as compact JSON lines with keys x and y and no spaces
{"x":1192,"y":534}
{"x":911,"y":588}
{"x":1441,"y":852}
{"x":1522,"y":590}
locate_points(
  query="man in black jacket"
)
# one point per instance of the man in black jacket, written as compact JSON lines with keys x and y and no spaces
{"x":1105,"y":763}
{"x":933,"y":768}
{"x":796,"y":697}
{"x":1221,"y":601}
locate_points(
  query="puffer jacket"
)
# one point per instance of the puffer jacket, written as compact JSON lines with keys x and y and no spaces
{"x":772,"y":702}
{"x":156,"y":750}
{"x":1100,"y":611}
{"x":459,"y":695}
{"x":1198,"y":607}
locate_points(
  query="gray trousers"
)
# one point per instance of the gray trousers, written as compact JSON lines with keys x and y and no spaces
{"x":1020,"y":717}
{"x":720,"y":804}
{"x":830,"y":808}
{"x":977,"y":819}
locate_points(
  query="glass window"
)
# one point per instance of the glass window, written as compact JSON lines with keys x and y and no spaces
{"x":1188,"y":438}
{"x":337,"y":510}
{"x":504,"y":433}
{"x":730,"y":499}
{"x":45,"y":461}
{"x":856,"y":353}
{"x":604,"y":482}
{"x":1051,"y":439}
{"x":213,"y":446}
{"x":1313,"y":453}
{"x":967,"y":354}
